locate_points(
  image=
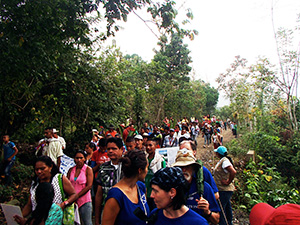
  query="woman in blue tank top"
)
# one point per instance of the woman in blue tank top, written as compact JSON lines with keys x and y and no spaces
{"x":169,"y":188}
{"x":126,"y":202}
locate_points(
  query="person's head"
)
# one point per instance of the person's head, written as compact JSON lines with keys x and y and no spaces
{"x":186,"y":160}
{"x":177,"y":128}
{"x":48,"y":133}
{"x":90,"y":147}
{"x":155,"y":129}
{"x":169,"y":188}
{"x":221,"y":151}
{"x":166,"y":130}
{"x":80,"y":158}
{"x":111,"y":128}
{"x":172,"y":132}
{"x":184,"y":130}
{"x":142,"y":130}
{"x":190,"y":145}
{"x":55,"y":133}
{"x":151,"y":146}
{"x":145,"y":138}
{"x":135,"y":163}
{"x":114,"y":147}
{"x":102,"y":145}
{"x":130,"y":143}
{"x":44,"y":168}
{"x":138,"y":141}
{"x":5,"y":138}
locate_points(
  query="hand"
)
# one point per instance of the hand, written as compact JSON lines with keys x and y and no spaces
{"x":8,"y":160}
{"x":19,"y":219}
{"x":203,"y":204}
{"x":62,"y":206}
{"x":225,"y":182}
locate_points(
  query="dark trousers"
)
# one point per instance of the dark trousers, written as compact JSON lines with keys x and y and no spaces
{"x":5,"y":169}
{"x":225,"y":197}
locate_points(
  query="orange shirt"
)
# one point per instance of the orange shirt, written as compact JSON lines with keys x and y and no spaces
{"x":113,"y":133}
{"x":99,"y":158}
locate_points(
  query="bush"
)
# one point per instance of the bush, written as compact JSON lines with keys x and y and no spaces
{"x":259,"y":183}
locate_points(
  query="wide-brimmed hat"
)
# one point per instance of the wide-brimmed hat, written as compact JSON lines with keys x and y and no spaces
{"x":264,"y":214}
{"x":185,"y":157}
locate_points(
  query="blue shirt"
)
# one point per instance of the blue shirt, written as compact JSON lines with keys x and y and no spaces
{"x":190,"y":217}
{"x":126,"y":215}
{"x":208,"y":194}
{"x":209,"y":179}
{"x":9,"y":150}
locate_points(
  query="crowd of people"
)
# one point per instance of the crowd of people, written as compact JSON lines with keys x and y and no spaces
{"x":120,"y":178}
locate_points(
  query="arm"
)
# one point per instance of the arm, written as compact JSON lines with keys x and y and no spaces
{"x":110,"y":212}
{"x":98,"y":204}
{"x":89,"y":182}
{"x":212,"y":217}
{"x":69,"y":172}
{"x":232,"y":173}
{"x":58,"y":162}
{"x":27,"y":208}
{"x":69,"y":191}
{"x":16,"y":151}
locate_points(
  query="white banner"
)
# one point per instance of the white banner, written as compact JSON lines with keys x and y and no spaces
{"x":66,"y":163}
{"x":169,"y":154}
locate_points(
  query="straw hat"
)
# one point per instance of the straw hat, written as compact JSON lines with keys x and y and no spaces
{"x":185,"y":157}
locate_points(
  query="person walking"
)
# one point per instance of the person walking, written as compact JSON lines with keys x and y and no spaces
{"x":10,"y":152}
{"x":224,"y":174}
{"x":81,"y":177}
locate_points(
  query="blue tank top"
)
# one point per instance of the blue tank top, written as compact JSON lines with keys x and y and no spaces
{"x":126,"y":215}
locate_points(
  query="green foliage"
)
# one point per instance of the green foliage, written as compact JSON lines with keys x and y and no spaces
{"x":259,"y":183}
{"x":22,"y":173}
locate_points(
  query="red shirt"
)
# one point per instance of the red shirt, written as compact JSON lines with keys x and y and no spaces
{"x":99,"y":158}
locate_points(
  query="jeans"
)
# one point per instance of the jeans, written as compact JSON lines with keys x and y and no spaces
{"x":225,"y":197}
{"x":85,"y":212}
{"x":206,"y":139}
{"x":5,"y":168}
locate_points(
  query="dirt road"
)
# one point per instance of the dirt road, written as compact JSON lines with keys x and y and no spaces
{"x":206,"y":154}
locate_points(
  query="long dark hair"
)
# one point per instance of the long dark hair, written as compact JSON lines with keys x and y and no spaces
{"x":48,"y":161}
{"x":44,"y":198}
{"x":132,"y":162}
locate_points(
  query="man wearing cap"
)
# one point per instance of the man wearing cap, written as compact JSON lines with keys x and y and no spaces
{"x":202,"y":202}
{"x":61,"y":139}
{"x":52,"y":148}
{"x":170,"y":140}
{"x":139,"y":142}
{"x":156,"y":162}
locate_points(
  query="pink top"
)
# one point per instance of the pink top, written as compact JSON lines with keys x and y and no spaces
{"x":79,"y":184}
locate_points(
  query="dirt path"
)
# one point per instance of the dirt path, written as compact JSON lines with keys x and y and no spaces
{"x":206,"y":154}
